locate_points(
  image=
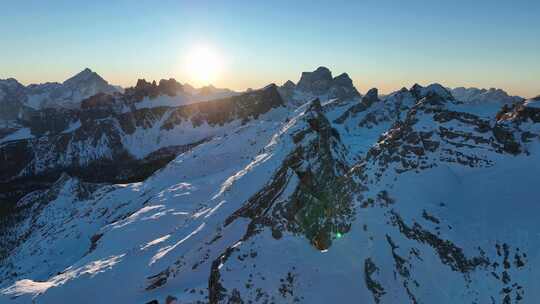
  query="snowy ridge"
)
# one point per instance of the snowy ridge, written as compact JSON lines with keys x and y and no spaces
{"x":492,"y":95}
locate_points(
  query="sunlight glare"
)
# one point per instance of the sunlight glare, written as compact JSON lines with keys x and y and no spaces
{"x":203,"y":65}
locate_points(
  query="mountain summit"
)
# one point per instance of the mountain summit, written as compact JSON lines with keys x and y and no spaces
{"x":68,"y":94}
{"x":319,"y":84}
{"x":88,"y":78}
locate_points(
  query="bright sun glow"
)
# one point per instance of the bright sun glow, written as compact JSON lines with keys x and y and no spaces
{"x":203,"y":65}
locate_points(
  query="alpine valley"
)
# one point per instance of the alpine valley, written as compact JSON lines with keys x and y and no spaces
{"x":309,"y":192}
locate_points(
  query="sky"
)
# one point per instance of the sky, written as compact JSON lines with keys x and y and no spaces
{"x":384,"y":44}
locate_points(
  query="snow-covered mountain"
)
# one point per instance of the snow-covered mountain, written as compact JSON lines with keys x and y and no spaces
{"x":492,"y":95}
{"x":415,"y":197}
{"x":127,"y":136}
{"x":68,"y":94}
{"x":18,"y":101}
{"x":19,"y":104}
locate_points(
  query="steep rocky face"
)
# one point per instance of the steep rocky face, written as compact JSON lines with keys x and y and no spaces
{"x":289,"y":85}
{"x":219,"y":112}
{"x":319,"y":206}
{"x":12,"y":97}
{"x":287,"y":90}
{"x":342,"y":87}
{"x":309,"y":196}
{"x":319,"y":84}
{"x":371,"y":97}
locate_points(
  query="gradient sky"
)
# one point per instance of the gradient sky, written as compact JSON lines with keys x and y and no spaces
{"x":384,"y":44}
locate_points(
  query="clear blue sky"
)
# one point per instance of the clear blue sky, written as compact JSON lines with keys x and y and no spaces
{"x":385,"y":44}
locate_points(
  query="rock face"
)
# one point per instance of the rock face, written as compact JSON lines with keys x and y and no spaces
{"x":289,"y":85}
{"x":247,"y":199}
{"x":372,"y":95}
{"x":319,"y":84}
{"x":12,"y":97}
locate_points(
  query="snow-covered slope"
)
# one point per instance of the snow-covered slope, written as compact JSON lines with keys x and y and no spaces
{"x":415,"y":197}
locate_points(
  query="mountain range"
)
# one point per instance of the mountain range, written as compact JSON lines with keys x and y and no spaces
{"x":308,"y":192}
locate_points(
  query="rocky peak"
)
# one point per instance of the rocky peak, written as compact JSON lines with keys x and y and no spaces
{"x":434,"y":89}
{"x":343,"y":80}
{"x":85,"y":77}
{"x":142,"y":84}
{"x":268,"y":95}
{"x":317,"y":82}
{"x":288,"y":85}
{"x":68,"y":94}
{"x":142,"y":89}
{"x":10,"y":83}
{"x":372,"y":95}
{"x":207,"y":90}
{"x":170,"y":87}
{"x":10,"y":87}
{"x":320,"y":83}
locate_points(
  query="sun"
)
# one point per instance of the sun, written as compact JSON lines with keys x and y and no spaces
{"x":203,"y":65}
